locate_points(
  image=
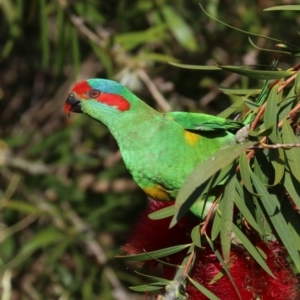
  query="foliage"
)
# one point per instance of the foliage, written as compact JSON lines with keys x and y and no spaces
{"x":67,"y":202}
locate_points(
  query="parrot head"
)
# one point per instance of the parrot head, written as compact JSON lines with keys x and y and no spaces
{"x":99,"y":98}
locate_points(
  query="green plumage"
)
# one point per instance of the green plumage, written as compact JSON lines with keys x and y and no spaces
{"x":203,"y":122}
{"x":159,"y":149}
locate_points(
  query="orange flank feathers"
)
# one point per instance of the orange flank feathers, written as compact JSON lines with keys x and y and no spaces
{"x":157,"y":192}
{"x":191,"y":138}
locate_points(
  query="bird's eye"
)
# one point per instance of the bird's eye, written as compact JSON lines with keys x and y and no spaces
{"x":94,"y":93}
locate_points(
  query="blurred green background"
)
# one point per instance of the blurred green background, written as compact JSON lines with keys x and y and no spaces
{"x":67,"y":201}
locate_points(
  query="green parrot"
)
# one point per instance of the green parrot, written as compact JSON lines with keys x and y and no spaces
{"x":159,"y":149}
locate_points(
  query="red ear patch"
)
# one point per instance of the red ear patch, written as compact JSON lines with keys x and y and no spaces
{"x":114,"y":100}
{"x":81,"y":88}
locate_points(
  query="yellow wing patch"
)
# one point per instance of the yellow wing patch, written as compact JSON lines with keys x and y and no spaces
{"x":191,"y":138}
{"x":157,"y":192}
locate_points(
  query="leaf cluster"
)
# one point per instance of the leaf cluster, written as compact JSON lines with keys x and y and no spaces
{"x":67,"y":202}
{"x":257,"y":181}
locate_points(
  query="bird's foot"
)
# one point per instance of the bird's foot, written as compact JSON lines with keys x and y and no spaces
{"x":242,"y":134}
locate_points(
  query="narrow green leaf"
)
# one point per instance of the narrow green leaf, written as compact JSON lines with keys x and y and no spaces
{"x":270,"y":116}
{"x":61,"y":41}
{"x":262,"y":168}
{"x":279,"y":46}
{"x":75,"y":52}
{"x":161,"y":261}
{"x":163,"y":213}
{"x":88,"y":11}
{"x":194,"y":185}
{"x":196,"y":236}
{"x":272,"y":207}
{"x":257,"y":74}
{"x":262,"y":253}
{"x":292,"y":187}
{"x":7,"y":48}
{"x":235,"y":28}
{"x":292,"y":154}
{"x":217,"y":277}
{"x":292,"y":219}
{"x":245,"y":173}
{"x":41,"y":239}
{"x":283,"y":7}
{"x":297,"y":84}
{"x":262,"y":97}
{"x":146,"y":287}
{"x":180,"y":28}
{"x":53,"y":255}
{"x":195,"y":67}
{"x":240,"y":200}
{"x":15,"y":261}
{"x":286,"y":104}
{"x":251,"y":249}
{"x":231,"y":109}
{"x":216,"y":227}
{"x":240,"y":92}
{"x":204,"y":202}
{"x":263,"y":131}
{"x":224,"y":265}
{"x":250,"y":104}
{"x":203,"y":290}
{"x":155,"y":254}
{"x":44,"y":34}
{"x":159,"y":280}
{"x":23,"y":207}
{"x":262,"y":218}
{"x":9,"y":11}
{"x":218,"y":178}
{"x":132,"y":40}
{"x":226,"y":209}
{"x":277,"y":160}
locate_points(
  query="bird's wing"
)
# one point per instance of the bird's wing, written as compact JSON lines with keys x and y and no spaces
{"x":203,"y":122}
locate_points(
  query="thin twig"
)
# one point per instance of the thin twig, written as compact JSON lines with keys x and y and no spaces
{"x":158,"y":97}
{"x":30,"y":167}
{"x":264,"y":139}
{"x":188,"y":264}
{"x":286,"y":82}
{"x":258,"y":116}
{"x":275,"y":146}
{"x":208,"y":217}
{"x":82,"y":28}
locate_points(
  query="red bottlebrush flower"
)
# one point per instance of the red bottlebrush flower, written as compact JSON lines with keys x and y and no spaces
{"x":285,"y":285}
{"x":207,"y":266}
{"x":251,"y":280}
{"x":152,"y":235}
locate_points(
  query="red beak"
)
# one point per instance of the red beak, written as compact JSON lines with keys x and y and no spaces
{"x":72,"y":104}
{"x":67,"y":108}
